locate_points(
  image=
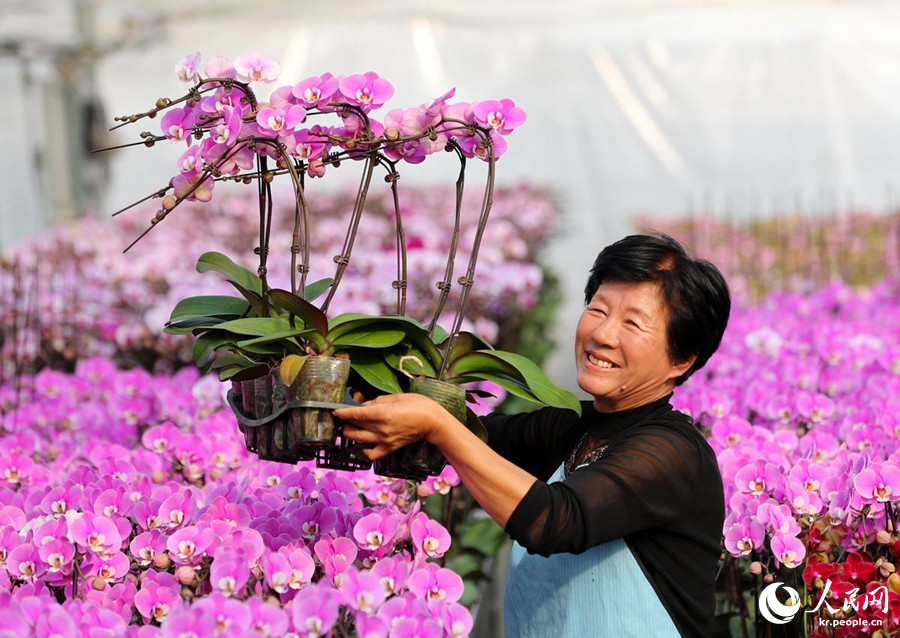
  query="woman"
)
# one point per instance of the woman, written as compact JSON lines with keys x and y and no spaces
{"x":617,"y":515}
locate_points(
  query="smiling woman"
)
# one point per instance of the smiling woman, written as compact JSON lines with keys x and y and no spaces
{"x":617,"y":513}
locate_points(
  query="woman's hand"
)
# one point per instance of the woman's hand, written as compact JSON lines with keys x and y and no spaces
{"x":392,"y":421}
{"x":389,"y":422}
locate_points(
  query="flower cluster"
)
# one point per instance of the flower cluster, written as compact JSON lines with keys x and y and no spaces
{"x":221,"y":114}
{"x":128,"y":507}
{"x":67,"y":296}
{"x":801,"y":404}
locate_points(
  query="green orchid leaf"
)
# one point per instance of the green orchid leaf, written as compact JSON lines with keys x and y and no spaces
{"x":372,"y":367}
{"x":364,"y":337}
{"x":192,"y":325}
{"x":208,"y":306}
{"x":224,"y":265}
{"x":464,"y":343}
{"x":317,"y":288}
{"x":272,"y":337}
{"x":483,"y":362}
{"x":208,"y":343}
{"x":253,"y":298}
{"x":415,"y":338}
{"x":515,"y":373}
{"x":270,"y":351}
{"x":227,"y":374}
{"x":543,"y":388}
{"x":295,"y":305}
{"x":231,"y":359}
{"x":256,"y":326}
{"x":440,"y":335}
{"x":513,"y":387}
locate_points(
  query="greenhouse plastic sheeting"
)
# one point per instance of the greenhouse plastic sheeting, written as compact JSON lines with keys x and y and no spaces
{"x":741,"y":108}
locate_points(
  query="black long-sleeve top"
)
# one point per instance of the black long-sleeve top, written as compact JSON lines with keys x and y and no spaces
{"x":656,"y":485}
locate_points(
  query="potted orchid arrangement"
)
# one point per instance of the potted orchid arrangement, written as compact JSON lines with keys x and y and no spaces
{"x":275,"y":344}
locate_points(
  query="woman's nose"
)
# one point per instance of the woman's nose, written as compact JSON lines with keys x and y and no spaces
{"x":605,"y":333}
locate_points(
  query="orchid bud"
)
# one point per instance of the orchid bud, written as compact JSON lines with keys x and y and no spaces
{"x":768,"y":579}
{"x":756,"y":568}
{"x":98,"y":584}
{"x":885,"y":568}
{"x":159,"y":476}
{"x":883,"y":537}
{"x":185,"y":574}
{"x":893,"y":582}
{"x":161,"y":561}
{"x":391,"y":133}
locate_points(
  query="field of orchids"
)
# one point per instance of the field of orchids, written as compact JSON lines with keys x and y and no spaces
{"x":131,"y":508}
{"x":801,"y":405}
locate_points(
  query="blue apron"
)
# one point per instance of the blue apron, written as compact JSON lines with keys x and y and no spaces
{"x":597,"y":594}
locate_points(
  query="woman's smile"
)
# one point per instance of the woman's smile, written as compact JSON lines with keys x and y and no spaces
{"x":622,"y":346}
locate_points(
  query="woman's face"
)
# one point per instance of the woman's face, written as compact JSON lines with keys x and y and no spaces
{"x":621,"y":347}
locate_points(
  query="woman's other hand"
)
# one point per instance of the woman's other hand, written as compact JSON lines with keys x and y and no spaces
{"x":392,"y":421}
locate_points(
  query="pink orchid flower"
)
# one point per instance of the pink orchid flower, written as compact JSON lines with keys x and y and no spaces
{"x":878,"y":483}
{"x":432,"y":582}
{"x":177,"y":124}
{"x":219,"y":66}
{"x":256,"y":67}
{"x":267,"y":619}
{"x":314,"y":611}
{"x":375,"y":531}
{"x":228,"y":575}
{"x":186,"y":67}
{"x":280,"y":122}
{"x":146,"y":546}
{"x":95,"y":534}
{"x":363,"y":591}
{"x":158,"y":596}
{"x":316,"y":91}
{"x":368,"y":91}
{"x":428,"y":536}
{"x":743,"y":538}
{"x":502,"y":116}
{"x":788,"y":550}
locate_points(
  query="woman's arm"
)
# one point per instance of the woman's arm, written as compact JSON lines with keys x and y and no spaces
{"x":389,"y":422}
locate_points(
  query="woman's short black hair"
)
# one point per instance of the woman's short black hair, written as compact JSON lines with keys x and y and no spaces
{"x":694,"y":292}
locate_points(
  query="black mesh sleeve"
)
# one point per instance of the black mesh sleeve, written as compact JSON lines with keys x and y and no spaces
{"x":535,"y":441}
{"x":643,"y":480}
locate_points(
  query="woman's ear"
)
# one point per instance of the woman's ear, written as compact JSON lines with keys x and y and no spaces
{"x":678,"y":369}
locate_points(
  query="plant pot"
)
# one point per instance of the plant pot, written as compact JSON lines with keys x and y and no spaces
{"x":321,"y":379}
{"x":248,"y":397}
{"x":245,"y":396}
{"x":422,"y":457}
{"x":343,"y":455}
{"x":392,"y":467}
